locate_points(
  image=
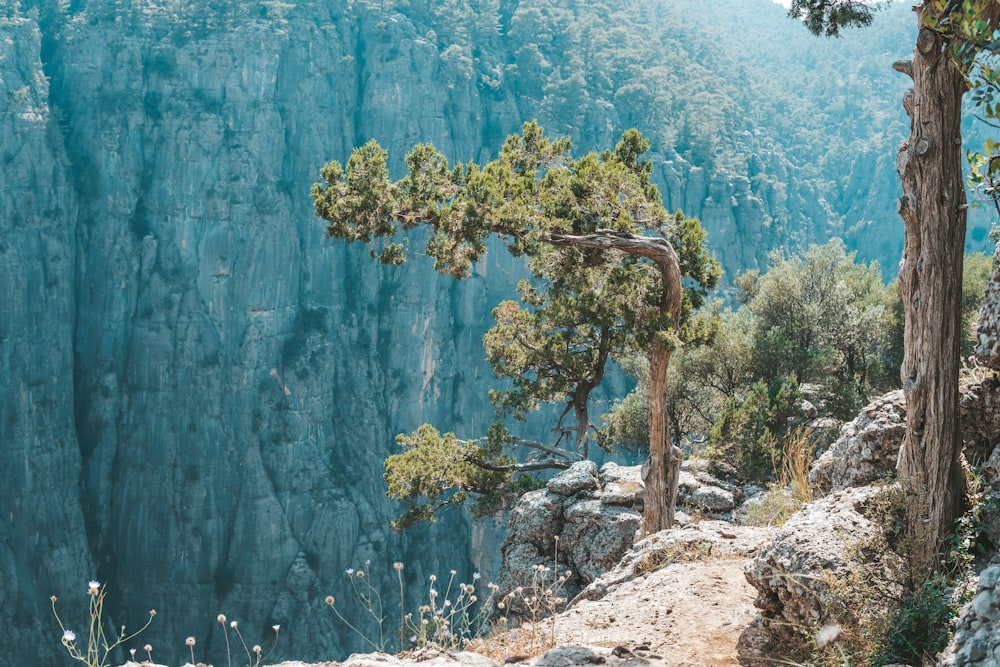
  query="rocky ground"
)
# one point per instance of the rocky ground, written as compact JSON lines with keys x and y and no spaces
{"x":679,"y":598}
{"x":714,"y":592}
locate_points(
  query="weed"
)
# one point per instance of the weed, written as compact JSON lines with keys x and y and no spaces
{"x":892,"y":606}
{"x":791,"y":491}
{"x":773,"y":508}
{"x":98,"y":647}
{"x":540,"y":599}
{"x":448,"y":619}
{"x":254,"y":654}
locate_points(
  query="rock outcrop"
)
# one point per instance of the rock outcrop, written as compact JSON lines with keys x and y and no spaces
{"x":794,"y":572}
{"x":584,"y":522}
{"x":988,"y":324}
{"x":868,"y":446}
{"x":567,"y":528}
{"x":43,"y":540}
{"x":866,"y":449}
{"x":977,"y":641}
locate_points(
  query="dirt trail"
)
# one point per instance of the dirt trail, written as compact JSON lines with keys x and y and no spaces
{"x":688,"y":613}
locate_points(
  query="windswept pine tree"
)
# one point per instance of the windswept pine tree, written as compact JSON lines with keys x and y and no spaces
{"x":613,"y":273}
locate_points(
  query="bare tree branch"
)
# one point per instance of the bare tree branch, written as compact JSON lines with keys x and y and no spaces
{"x":656,"y":249}
{"x":569,"y":457}
{"x":531,"y":466}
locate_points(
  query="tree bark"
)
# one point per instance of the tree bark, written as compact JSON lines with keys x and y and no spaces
{"x":933,"y":208}
{"x":662,"y":470}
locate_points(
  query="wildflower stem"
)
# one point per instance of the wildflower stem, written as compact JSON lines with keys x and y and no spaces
{"x":351,"y":626}
{"x":402,"y":606}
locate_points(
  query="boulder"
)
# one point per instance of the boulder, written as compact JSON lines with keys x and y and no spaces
{"x":536,"y":519}
{"x":991,"y":475}
{"x":620,"y":485}
{"x":866,"y":449}
{"x":581,"y":476}
{"x":979,"y":406}
{"x":977,"y":634}
{"x":988,"y":325}
{"x":700,"y":490}
{"x":793,"y":572}
{"x":596,"y":535}
{"x":581,"y":524}
{"x":681,"y":543}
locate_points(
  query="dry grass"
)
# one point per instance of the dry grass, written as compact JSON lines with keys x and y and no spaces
{"x":793,"y":471}
{"x":791,"y":491}
{"x":505,"y":644}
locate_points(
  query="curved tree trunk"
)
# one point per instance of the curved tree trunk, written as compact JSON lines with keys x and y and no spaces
{"x":933,"y":208}
{"x":661,"y":473}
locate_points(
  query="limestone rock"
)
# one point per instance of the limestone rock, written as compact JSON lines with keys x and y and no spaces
{"x":44,"y":547}
{"x":595,"y":535}
{"x":581,"y":476}
{"x":866,"y":449}
{"x":620,"y":484}
{"x":793,"y":572}
{"x":988,"y":324}
{"x":708,"y":497}
{"x":991,"y":476}
{"x":678,"y":544}
{"x":574,"y":531}
{"x":560,"y":656}
{"x":977,"y":633}
{"x":979,"y":406}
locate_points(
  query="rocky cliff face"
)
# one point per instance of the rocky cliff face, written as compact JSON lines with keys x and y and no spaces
{"x":197,"y":390}
{"x":43,"y":546}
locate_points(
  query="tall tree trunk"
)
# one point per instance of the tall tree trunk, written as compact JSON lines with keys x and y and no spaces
{"x":661,"y":473}
{"x":933,"y":208}
{"x":581,"y":412}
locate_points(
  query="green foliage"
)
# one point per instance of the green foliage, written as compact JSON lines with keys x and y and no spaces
{"x":751,"y":429}
{"x":921,"y":627}
{"x":436,"y":470}
{"x":822,"y":317}
{"x":584,"y":306}
{"x":976,"y":273}
{"x":829,"y":17}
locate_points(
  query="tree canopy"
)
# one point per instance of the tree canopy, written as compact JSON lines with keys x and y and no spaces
{"x":607,"y":263}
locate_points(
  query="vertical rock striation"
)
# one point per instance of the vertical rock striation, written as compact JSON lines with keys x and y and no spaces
{"x":43,"y":545}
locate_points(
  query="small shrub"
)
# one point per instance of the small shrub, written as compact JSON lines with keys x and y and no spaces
{"x":750,"y":430}
{"x":790,"y":464}
{"x":773,"y":508}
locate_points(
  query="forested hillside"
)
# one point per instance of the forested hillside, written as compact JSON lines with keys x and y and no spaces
{"x":198,"y":390}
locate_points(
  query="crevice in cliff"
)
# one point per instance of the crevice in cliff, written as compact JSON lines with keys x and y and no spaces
{"x":360,"y":64}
